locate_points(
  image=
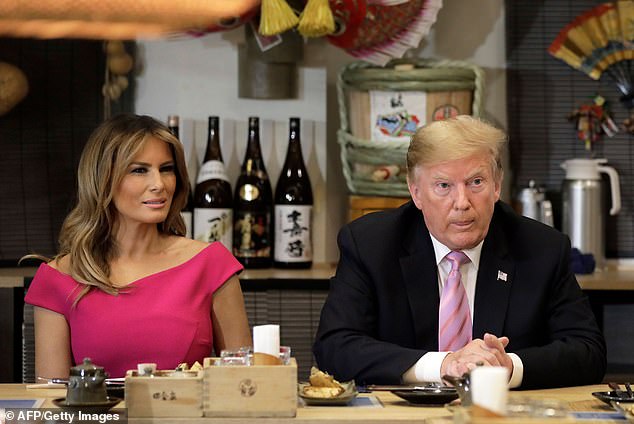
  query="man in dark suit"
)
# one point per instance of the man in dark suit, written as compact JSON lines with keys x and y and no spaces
{"x":520,"y":303}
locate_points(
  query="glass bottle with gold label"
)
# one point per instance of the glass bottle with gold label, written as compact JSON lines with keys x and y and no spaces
{"x":253,"y":203}
{"x":213,"y":210}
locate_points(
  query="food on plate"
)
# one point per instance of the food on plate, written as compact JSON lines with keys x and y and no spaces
{"x":322,"y":385}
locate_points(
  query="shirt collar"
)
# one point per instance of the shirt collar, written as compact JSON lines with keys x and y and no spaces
{"x":441,"y":251}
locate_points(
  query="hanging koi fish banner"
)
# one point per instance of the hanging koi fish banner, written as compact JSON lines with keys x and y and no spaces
{"x":378,"y":31}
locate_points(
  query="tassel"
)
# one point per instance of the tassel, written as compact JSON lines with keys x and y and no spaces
{"x":316,"y":20}
{"x":276,"y":16}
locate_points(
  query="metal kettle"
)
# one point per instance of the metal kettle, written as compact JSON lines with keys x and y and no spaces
{"x":583,"y":210}
{"x":534,"y":204}
{"x":86,"y":384}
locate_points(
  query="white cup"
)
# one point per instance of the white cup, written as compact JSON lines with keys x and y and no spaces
{"x":146,"y":369}
{"x":489,"y":388}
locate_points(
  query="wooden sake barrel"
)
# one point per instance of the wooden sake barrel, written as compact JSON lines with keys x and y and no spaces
{"x":380,"y":108}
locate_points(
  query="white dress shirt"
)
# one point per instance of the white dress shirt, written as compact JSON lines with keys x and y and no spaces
{"x":427,"y":368}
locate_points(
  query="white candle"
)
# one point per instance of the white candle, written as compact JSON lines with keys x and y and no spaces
{"x":266,"y":339}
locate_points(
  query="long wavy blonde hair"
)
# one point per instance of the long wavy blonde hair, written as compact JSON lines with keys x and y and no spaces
{"x":86,"y":235}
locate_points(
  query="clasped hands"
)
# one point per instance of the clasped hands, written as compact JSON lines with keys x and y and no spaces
{"x":490,"y":350}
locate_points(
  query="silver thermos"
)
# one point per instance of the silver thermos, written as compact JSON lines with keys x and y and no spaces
{"x":583,"y":210}
{"x":535,"y":205}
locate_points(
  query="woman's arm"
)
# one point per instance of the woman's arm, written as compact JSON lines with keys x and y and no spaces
{"x":229,"y":318}
{"x":52,"y":344}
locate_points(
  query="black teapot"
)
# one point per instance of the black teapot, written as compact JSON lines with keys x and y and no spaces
{"x":86,"y":384}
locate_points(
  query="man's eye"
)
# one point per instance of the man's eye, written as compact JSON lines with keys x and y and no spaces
{"x":443,"y":185}
{"x":478,"y":181}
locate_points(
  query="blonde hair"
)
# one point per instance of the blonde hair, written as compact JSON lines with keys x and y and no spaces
{"x":455,"y":138}
{"x":86,"y":235}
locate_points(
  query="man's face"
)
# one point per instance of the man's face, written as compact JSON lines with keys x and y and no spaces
{"x":457,"y":199}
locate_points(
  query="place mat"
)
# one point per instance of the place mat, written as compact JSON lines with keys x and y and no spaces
{"x":602,"y":416}
{"x":358,"y":402}
{"x":594,"y":405}
{"x":21,"y":403}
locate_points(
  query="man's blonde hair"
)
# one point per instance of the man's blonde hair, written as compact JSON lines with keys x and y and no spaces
{"x":455,"y":138}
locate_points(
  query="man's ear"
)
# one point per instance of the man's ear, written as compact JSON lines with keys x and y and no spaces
{"x":414,"y":192}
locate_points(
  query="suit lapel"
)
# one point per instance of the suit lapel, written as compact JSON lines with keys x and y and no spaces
{"x":418,"y":266}
{"x":493,"y":287}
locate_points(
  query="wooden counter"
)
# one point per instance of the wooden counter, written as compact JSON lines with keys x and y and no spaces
{"x":610,"y":279}
{"x":392,"y":409}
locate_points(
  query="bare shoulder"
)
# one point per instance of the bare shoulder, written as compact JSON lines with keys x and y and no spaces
{"x":187,"y":248}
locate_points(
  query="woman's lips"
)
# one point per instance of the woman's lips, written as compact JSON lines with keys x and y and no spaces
{"x":155,"y":203}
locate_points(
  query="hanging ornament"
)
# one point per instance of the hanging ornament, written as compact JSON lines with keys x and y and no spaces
{"x":276,"y":16}
{"x":378,"y":31}
{"x":600,"y":41}
{"x":592,"y":120}
{"x":13,"y":87}
{"x":118,"y":64}
{"x":316,"y":20}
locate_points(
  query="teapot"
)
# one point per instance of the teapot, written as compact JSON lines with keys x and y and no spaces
{"x":86,"y":384}
{"x":535,"y":205}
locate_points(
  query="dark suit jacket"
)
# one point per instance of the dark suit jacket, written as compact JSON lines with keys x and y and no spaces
{"x":381,"y":314}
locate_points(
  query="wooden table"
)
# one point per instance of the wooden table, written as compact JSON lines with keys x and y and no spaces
{"x":394,"y":409}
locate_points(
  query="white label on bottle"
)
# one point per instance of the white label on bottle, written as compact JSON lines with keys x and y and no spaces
{"x":293,"y":233}
{"x":214,"y":225}
{"x":187,"y":217}
{"x":212,"y":170}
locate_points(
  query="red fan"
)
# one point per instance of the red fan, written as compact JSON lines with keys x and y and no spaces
{"x":380,"y":30}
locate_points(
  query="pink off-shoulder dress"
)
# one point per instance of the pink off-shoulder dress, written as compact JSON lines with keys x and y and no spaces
{"x":163,"y":318}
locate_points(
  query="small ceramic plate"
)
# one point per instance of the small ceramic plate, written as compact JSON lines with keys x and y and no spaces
{"x":613,"y":396}
{"x":350,"y":392}
{"x":428,"y":395}
{"x":89,"y":408}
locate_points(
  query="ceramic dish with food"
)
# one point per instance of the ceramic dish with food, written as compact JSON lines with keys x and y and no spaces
{"x":312,"y":395}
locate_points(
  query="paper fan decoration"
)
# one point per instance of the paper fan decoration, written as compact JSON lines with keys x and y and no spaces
{"x":601,"y":41}
{"x":378,"y":31}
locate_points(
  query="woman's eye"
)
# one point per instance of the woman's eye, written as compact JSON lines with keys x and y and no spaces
{"x":168,"y":168}
{"x":138,"y":171}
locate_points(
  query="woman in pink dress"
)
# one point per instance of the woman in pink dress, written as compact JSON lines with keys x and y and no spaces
{"x":126,"y":286}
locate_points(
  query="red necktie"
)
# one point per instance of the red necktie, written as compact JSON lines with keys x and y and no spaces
{"x":454,"y":317}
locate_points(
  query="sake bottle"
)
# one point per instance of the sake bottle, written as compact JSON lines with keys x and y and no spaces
{"x":173,"y":123}
{"x":293,"y":207}
{"x":213,"y":202}
{"x":253,"y":201}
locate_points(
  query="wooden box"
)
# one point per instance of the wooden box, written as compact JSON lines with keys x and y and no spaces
{"x":250,"y":391}
{"x":163,"y":396}
{"x":361,"y":205}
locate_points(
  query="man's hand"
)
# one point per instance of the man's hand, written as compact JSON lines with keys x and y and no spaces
{"x":486,"y":351}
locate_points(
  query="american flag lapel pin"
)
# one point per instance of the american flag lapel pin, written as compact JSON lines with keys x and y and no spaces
{"x":501,"y":276}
